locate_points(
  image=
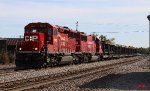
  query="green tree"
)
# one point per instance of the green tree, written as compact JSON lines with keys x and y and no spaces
{"x":104,"y":38}
{"x":142,"y":50}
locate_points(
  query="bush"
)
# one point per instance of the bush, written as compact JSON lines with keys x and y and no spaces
{"x":6,"y":57}
{"x":11,"y":58}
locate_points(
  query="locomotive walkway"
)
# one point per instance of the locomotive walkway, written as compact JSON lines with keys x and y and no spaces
{"x":35,"y":82}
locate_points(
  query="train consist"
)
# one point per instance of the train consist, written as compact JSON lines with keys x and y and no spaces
{"x":50,"y":45}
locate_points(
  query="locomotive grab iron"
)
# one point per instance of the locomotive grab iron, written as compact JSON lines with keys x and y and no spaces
{"x":50,"y":45}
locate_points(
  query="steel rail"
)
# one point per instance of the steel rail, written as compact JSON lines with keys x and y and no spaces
{"x":47,"y":79}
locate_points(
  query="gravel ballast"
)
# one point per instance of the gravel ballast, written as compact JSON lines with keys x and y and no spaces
{"x":52,"y":71}
{"x":6,"y":66}
{"x":135,"y":76}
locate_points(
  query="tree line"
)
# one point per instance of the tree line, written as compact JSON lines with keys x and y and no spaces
{"x":140,"y":50}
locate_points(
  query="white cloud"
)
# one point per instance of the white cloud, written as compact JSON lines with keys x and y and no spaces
{"x":45,"y":10}
{"x":117,"y":12}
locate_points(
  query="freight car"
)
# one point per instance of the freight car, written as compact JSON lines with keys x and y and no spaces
{"x":50,"y":45}
{"x":117,"y":51}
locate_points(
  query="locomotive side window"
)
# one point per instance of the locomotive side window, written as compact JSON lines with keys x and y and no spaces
{"x":50,"y":31}
{"x":74,"y":35}
{"x":34,"y":30}
{"x":42,"y":30}
{"x":71,"y":34}
{"x":83,"y":38}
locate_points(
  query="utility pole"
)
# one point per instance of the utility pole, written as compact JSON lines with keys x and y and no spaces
{"x":77,"y":26}
{"x":149,"y":35}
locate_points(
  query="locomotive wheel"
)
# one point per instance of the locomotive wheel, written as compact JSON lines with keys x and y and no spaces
{"x":54,"y":62}
{"x":76,"y":60}
{"x":44,"y":65}
{"x":81,"y":60}
{"x":58,"y":60}
{"x":85,"y":59}
{"x":99,"y":58}
{"x":39,"y":64}
{"x":51,"y":62}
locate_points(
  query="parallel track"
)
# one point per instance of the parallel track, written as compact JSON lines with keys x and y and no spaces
{"x":47,"y":79}
{"x":6,"y":71}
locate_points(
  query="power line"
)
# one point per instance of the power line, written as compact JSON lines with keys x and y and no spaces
{"x":122,"y":32}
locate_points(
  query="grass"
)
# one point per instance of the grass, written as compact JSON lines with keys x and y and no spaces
{"x":6,"y":57}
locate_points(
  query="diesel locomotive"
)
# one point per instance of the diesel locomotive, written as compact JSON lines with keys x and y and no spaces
{"x":45,"y":45}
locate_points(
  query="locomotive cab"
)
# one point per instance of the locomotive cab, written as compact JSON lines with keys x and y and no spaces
{"x":35,"y":38}
{"x":32,"y":52}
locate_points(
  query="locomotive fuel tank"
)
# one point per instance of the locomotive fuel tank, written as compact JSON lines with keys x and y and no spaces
{"x":66,"y":60}
{"x":94,"y":58}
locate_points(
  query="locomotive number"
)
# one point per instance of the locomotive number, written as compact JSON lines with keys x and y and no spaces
{"x":31,"y":38}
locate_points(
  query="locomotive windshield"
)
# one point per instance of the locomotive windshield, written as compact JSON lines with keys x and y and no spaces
{"x":34,"y":30}
{"x":41,"y":30}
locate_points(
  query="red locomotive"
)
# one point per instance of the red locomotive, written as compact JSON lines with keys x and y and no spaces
{"x":49,"y":45}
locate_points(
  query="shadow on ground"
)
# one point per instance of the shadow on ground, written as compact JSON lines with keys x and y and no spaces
{"x":129,"y":81}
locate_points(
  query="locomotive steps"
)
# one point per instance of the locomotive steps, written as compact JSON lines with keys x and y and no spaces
{"x":22,"y":81}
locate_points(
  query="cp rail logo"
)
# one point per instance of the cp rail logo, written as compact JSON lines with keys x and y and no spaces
{"x":31,"y":38}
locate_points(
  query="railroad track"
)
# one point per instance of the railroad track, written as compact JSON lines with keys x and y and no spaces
{"x":47,"y":79}
{"x":9,"y":71}
{"x":6,"y":71}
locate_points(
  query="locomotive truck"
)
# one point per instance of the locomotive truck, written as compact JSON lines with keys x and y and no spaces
{"x":50,"y":45}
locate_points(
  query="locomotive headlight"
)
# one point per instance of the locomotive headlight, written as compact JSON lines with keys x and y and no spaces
{"x":35,"y":48}
{"x":20,"y":48}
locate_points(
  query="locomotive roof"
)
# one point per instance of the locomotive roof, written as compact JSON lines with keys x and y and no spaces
{"x":42,"y":23}
{"x":56,"y":26}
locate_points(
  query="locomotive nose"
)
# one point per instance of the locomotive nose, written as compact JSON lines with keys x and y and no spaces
{"x":33,"y":42}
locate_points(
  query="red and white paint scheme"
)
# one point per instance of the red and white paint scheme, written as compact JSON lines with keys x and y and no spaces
{"x":47,"y":44}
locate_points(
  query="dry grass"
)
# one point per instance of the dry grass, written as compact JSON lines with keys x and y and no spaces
{"x":6,"y":58}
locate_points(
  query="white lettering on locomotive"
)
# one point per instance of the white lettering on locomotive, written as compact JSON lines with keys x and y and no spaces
{"x":55,"y":40}
{"x":63,"y":38}
{"x":31,"y":38}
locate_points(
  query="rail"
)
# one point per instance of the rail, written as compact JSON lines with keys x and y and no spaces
{"x":47,"y":79}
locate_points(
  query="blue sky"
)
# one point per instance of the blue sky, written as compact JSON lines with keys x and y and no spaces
{"x":126,"y":17}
